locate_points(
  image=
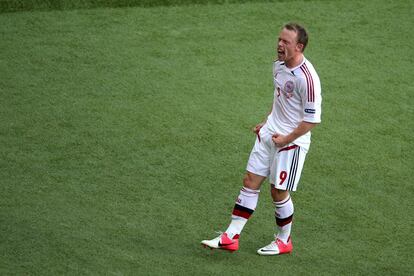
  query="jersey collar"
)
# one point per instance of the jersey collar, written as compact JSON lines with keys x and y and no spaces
{"x":292,"y":70}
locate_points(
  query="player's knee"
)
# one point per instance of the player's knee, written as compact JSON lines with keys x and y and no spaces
{"x":278,"y":195}
{"x":250,"y":182}
{"x":247,"y":181}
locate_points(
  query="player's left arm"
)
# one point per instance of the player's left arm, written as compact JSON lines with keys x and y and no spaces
{"x":301,"y":129}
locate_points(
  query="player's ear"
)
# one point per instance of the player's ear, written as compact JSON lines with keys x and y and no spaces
{"x":299,"y":47}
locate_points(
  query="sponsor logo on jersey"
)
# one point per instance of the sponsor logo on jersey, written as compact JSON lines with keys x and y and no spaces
{"x":310,"y":111}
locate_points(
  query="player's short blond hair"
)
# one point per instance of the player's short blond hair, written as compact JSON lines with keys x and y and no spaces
{"x":301,"y":32}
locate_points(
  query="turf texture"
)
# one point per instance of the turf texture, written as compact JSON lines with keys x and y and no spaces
{"x":124,"y":135}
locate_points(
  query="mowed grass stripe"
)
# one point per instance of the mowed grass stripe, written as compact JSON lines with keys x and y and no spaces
{"x":125,"y":134}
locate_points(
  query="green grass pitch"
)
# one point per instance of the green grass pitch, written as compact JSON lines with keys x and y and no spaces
{"x":124,"y":135}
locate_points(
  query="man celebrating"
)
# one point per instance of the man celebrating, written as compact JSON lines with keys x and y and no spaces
{"x":281,"y":145}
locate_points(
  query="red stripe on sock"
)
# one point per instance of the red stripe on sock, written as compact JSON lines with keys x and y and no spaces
{"x":282,"y":222}
{"x":241,"y":213}
{"x":249,"y":191}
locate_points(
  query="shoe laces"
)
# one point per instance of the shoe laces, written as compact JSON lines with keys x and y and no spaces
{"x":220,"y":233}
{"x":271,"y":246}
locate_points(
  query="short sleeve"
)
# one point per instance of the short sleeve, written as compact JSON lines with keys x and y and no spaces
{"x":310,"y":90}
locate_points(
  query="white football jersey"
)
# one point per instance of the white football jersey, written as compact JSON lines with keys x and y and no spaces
{"x":297,"y":98}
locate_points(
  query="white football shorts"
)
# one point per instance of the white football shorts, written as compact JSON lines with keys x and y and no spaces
{"x":283,"y":166}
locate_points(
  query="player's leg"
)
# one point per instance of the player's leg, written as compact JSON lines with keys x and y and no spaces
{"x":257,"y":171}
{"x":283,"y":213}
{"x":244,"y":207}
{"x":284,"y":177}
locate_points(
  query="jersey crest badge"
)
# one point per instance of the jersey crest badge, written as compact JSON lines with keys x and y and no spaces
{"x":289,"y":87}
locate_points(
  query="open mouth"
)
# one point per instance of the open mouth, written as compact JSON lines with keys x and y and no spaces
{"x":281,"y":54}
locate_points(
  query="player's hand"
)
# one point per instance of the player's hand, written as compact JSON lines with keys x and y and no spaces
{"x":257,"y":128}
{"x":280,"y":140}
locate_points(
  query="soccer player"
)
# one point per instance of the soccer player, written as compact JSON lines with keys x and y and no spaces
{"x":281,"y":145}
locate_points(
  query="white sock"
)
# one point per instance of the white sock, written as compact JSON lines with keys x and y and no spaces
{"x":245,"y":205}
{"x":284,"y":215}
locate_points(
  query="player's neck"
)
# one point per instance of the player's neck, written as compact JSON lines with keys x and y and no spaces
{"x":294,"y":61}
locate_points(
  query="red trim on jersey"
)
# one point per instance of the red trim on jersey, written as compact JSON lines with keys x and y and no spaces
{"x":289,"y":148}
{"x":309,"y":83}
{"x":311,"y":90}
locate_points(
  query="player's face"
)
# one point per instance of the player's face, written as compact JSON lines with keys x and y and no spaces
{"x":288,"y":47}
